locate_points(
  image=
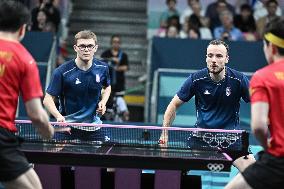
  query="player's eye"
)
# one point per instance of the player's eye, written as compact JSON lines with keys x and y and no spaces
{"x":83,"y":47}
{"x":219,"y":56}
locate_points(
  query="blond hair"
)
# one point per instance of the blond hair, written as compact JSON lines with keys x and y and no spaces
{"x":85,"y":34}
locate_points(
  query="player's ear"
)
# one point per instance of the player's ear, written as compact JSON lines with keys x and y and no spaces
{"x":227,"y":59}
{"x":96,"y":48}
{"x":75,"y":48}
{"x":274,"y":49}
{"x":22,"y":31}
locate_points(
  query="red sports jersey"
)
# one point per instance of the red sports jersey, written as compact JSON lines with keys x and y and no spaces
{"x":267,"y":85}
{"x":18,"y":74}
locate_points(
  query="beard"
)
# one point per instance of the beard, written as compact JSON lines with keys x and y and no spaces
{"x":216,"y":72}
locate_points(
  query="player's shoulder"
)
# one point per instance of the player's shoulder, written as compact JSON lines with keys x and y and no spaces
{"x":235,"y":74}
{"x":22,"y":53}
{"x":264,"y":69}
{"x":100,"y":63}
{"x":262,"y":72}
{"x":66,"y":66}
{"x":200,"y":74}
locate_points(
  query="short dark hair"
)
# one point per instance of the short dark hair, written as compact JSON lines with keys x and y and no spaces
{"x":13,"y":15}
{"x":168,"y":1}
{"x":276,"y":27}
{"x":271,"y":1}
{"x":219,"y":42}
{"x":246,"y":7}
{"x":114,"y":36}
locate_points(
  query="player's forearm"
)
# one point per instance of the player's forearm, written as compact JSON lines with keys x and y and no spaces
{"x":105,"y":94}
{"x":170,"y":113}
{"x":259,"y":122}
{"x":49,"y":104}
{"x":169,"y":116}
{"x":261,"y":134}
{"x":39,"y":118}
{"x":36,"y":113}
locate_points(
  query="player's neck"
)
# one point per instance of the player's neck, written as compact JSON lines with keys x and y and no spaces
{"x":278,"y":58}
{"x":114,"y":51}
{"x":218,"y":76}
{"x":9,"y":36}
{"x":82,"y":64}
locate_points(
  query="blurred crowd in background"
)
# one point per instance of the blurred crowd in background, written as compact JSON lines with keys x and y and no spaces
{"x":221,"y":20}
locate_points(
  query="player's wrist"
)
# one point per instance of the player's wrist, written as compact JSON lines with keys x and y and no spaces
{"x":103,"y":103}
{"x":57,"y":116}
{"x":166,"y":125}
{"x":161,"y":141}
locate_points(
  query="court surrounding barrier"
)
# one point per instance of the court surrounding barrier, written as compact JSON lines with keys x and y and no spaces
{"x":39,"y":44}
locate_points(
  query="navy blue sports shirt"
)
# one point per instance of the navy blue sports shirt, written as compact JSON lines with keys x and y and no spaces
{"x":79,"y":91}
{"x":217,"y":103}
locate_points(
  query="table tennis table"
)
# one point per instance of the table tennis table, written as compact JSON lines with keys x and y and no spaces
{"x":126,"y":157}
{"x":131,"y":158}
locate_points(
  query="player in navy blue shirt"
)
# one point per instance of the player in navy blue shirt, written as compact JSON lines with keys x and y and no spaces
{"x":218,"y":90}
{"x":217,"y":101}
{"x":82,"y":87}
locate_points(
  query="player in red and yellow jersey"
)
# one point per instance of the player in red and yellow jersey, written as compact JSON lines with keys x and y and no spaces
{"x":267,"y":98}
{"x":18,"y":74}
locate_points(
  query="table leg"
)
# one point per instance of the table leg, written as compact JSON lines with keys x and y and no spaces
{"x":127,"y":178}
{"x":49,"y":175}
{"x":87,"y":177}
{"x":165,"y":179}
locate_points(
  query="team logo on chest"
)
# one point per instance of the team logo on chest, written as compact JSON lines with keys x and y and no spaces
{"x":228,"y":91}
{"x":77,"y":81}
{"x":98,"y":79}
{"x":206,"y":92}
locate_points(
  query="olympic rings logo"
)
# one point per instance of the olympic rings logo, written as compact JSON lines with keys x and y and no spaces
{"x":215,"y":167}
{"x":221,"y":140}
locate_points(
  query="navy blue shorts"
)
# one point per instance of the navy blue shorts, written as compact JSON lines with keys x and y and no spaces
{"x":13,"y":162}
{"x":266,"y":172}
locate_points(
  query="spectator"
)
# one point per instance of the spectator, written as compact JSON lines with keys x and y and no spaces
{"x":189,"y":10}
{"x":271,"y":7}
{"x":41,"y":21}
{"x":172,"y":21}
{"x":193,"y":33}
{"x":196,"y":27}
{"x":260,"y":9}
{"x":118,"y":62}
{"x":214,"y":9}
{"x":52,"y":12}
{"x":227,"y":31}
{"x":246,"y":23}
{"x":172,"y":32}
{"x":196,"y":8}
{"x":171,"y":11}
{"x":49,"y":27}
{"x":184,"y":29}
